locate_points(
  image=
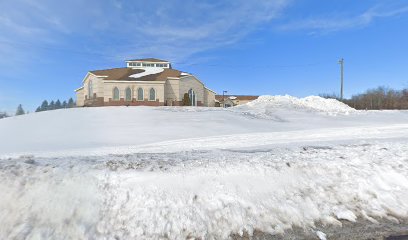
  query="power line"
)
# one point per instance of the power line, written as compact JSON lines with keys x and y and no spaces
{"x":252,"y":66}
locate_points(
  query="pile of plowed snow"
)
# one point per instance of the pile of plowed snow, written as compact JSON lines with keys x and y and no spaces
{"x":267,"y":104}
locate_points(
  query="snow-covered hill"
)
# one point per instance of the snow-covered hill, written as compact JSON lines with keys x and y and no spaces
{"x":115,"y":129}
{"x":151,"y":173}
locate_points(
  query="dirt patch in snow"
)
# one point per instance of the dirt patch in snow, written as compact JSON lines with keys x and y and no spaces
{"x":360,"y":230}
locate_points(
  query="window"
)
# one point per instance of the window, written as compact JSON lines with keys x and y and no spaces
{"x":140,"y":94}
{"x":152,"y":94}
{"x":128,"y":94}
{"x":90,"y":89}
{"x":192,"y":96}
{"x":165,"y":65}
{"x":133,"y":64}
{"x":116,"y":94}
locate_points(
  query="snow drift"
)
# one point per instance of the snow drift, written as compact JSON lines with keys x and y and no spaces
{"x":267,"y":106}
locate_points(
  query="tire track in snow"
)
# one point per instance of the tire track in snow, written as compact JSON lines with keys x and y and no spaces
{"x":271,"y":138}
{"x":247,"y":140}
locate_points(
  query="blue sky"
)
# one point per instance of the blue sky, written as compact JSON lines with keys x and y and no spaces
{"x":245,"y":47}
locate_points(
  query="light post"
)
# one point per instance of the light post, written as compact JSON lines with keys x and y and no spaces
{"x":223,"y":98}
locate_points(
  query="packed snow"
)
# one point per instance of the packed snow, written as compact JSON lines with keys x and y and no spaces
{"x":182,"y":173}
{"x":265,"y":105}
{"x":321,"y":235}
{"x":147,"y":71}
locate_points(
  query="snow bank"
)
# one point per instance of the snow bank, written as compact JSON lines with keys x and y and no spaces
{"x":267,"y":104}
{"x":207,"y":195}
{"x":321,"y":235}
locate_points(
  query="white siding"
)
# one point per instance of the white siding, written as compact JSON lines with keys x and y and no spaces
{"x":191,"y":82}
{"x":96,"y":85}
{"x":172,"y":90}
{"x":209,"y":99}
{"x":80,"y":98}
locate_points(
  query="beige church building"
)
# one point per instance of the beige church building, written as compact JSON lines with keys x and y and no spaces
{"x":143,"y":82}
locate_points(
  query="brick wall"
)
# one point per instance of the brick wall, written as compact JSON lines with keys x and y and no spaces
{"x":134,"y":102}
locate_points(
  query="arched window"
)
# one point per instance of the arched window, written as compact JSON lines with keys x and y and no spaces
{"x":90,"y":89}
{"x":128,"y":94}
{"x":192,"y":96}
{"x":140,"y":96}
{"x":152,"y":94}
{"x":116,"y":94}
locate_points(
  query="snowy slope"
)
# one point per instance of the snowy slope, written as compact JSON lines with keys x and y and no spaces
{"x":152,"y":173}
{"x":113,"y":128}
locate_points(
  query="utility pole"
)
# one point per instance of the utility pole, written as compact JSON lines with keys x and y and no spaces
{"x":341,"y":62}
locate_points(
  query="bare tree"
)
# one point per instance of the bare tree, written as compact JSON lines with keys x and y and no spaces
{"x":379,"y":98}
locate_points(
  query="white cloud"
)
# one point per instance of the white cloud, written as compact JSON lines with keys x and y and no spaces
{"x":345,"y":21}
{"x":174,"y":29}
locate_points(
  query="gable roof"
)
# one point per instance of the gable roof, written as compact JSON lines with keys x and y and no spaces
{"x":123,"y":74}
{"x":147,"y":60}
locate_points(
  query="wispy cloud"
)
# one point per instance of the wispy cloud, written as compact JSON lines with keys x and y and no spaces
{"x":174,"y":29}
{"x":342,"y":21}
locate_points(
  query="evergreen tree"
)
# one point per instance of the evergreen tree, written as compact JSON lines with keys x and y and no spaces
{"x":58,"y":104}
{"x":64,"y":104}
{"x":186,"y":100}
{"x":71,"y":103}
{"x":44,"y":106}
{"x":38,"y":109}
{"x":20,"y":110}
{"x":52,"y":105}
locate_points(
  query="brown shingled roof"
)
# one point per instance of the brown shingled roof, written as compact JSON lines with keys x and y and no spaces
{"x":148,"y":60}
{"x":238,"y":97}
{"x":123,"y":74}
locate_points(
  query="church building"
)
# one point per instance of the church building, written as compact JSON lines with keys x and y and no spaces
{"x":143,"y":82}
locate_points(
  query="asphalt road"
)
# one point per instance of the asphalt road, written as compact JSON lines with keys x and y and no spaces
{"x":361,"y":230}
